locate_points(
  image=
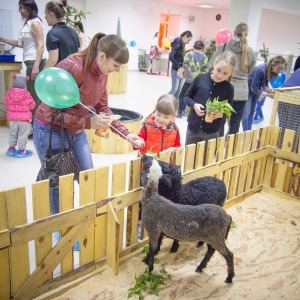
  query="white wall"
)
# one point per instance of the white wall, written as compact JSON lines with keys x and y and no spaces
{"x":140,"y":19}
{"x":274,"y":34}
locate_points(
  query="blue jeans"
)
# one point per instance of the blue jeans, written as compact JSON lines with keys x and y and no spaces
{"x":176,"y":84}
{"x":249,"y":113}
{"x":79,"y":146}
{"x":258,"y":110}
{"x":182,"y":104}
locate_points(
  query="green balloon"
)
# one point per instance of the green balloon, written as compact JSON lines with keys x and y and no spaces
{"x":57,"y":88}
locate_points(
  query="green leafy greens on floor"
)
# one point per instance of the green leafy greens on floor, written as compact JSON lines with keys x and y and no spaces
{"x":147,"y":281}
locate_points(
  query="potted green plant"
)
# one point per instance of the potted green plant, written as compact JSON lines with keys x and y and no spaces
{"x":219,"y":106}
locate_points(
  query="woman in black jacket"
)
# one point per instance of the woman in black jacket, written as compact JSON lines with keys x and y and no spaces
{"x":176,"y":57}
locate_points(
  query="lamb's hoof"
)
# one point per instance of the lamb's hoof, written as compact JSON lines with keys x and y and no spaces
{"x":229,"y":277}
{"x":175,"y":246}
{"x":228,"y":280}
{"x":174,"y":249}
{"x":198,"y":270}
{"x":200,"y":244}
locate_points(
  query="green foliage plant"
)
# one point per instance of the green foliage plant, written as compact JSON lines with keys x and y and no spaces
{"x":148,"y":281}
{"x":264,"y":53}
{"x":220,"y":106}
{"x":74,"y":15}
{"x":211,"y":49}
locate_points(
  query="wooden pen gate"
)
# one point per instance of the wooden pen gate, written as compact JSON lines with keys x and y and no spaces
{"x":106,"y":223}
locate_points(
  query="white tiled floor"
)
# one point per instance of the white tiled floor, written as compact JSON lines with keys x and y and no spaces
{"x":142,"y":93}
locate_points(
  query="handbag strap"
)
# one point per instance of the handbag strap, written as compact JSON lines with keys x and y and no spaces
{"x":62,"y":129}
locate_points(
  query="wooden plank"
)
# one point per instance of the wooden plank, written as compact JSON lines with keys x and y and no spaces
{"x":4,"y":274}
{"x":274,"y":135}
{"x":220,"y":153}
{"x":210,"y":152}
{"x":282,"y":154}
{"x":118,"y":187}
{"x":4,"y":233}
{"x":101,"y":192}
{"x":66,"y":192}
{"x":220,"y":149}
{"x":27,"y":232}
{"x":87,"y":181}
{"x":113,"y":231}
{"x":189,"y":158}
{"x":288,"y":182}
{"x":242,"y":168}
{"x":4,"y":253}
{"x":257,"y":164}
{"x":4,"y":238}
{"x":274,"y":174}
{"x":294,"y":181}
{"x":249,"y":172}
{"x":3,"y":217}
{"x":62,"y":284}
{"x":280,"y":194}
{"x":225,"y":165}
{"x":19,"y":254}
{"x":166,"y":156}
{"x":200,"y":151}
{"x":135,"y":174}
{"x":41,"y":209}
{"x":121,"y":217}
{"x":228,"y":154}
{"x":233,"y":176}
{"x":240,"y":198}
{"x":287,"y":145}
{"x":178,"y":156}
{"x":39,"y":276}
{"x":118,"y":178}
{"x":126,"y":199}
{"x":133,"y":210}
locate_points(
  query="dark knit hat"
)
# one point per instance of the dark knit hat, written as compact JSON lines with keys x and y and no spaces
{"x":199,"y":45}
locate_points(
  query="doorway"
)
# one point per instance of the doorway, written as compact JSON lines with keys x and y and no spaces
{"x":168,"y":28}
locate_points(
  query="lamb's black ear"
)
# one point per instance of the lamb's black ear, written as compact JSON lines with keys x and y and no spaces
{"x":147,"y":161}
{"x":144,"y":178}
{"x":166,"y":180}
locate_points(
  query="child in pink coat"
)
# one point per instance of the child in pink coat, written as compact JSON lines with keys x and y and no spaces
{"x":19,"y":102}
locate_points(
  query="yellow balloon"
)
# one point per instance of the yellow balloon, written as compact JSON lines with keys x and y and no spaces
{"x":167,"y":44}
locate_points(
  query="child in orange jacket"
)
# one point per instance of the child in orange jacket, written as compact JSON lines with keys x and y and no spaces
{"x":159,"y":131}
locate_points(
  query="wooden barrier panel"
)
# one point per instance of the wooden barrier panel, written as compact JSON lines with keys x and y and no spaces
{"x":117,"y":81}
{"x":101,"y":222}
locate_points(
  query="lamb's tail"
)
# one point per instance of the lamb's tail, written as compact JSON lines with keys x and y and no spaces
{"x":228,"y":228}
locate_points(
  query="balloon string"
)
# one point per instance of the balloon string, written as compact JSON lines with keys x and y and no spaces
{"x":102,"y":118}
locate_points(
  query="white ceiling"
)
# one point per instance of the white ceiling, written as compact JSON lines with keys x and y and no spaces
{"x":218,"y":4}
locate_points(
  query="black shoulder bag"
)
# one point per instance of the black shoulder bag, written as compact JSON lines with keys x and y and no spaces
{"x":58,"y":162}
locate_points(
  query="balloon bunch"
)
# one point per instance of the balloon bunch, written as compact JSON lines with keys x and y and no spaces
{"x":57,"y":88}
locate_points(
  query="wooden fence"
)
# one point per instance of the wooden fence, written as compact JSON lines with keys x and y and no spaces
{"x":106,"y":223}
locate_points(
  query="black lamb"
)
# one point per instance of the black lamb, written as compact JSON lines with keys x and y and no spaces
{"x":208,"y":189}
{"x":207,"y":222}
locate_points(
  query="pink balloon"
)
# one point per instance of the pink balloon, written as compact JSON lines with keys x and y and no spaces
{"x":223,"y":36}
